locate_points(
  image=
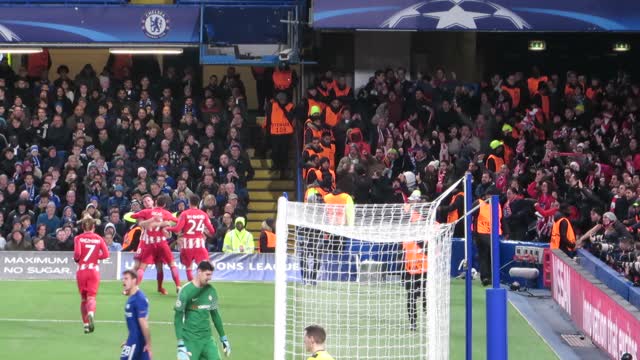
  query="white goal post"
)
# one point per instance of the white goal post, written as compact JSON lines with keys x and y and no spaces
{"x":345,"y":268}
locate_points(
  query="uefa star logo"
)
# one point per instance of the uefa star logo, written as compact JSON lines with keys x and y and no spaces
{"x":155,"y":24}
{"x":8,"y":35}
{"x":456,"y":14}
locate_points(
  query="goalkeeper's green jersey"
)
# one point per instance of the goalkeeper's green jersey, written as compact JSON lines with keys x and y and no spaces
{"x":195,"y":305}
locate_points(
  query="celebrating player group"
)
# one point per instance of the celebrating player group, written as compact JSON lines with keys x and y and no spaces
{"x":197,"y":300}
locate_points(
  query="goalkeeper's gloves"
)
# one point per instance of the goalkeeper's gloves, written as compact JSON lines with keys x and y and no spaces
{"x":226,"y":345}
{"x":183,"y":353}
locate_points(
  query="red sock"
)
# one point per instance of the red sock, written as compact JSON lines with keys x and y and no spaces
{"x":83,"y":311}
{"x":189,"y":273}
{"x":159,"y":277}
{"x":175,"y":275}
{"x":91,"y":305}
{"x":140,"y":275}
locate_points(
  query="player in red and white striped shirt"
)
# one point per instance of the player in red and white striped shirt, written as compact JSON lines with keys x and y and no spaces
{"x":155,"y":248}
{"x":89,"y":247}
{"x":192,"y":223}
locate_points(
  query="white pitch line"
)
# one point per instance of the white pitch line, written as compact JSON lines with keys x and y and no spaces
{"x":65,"y":321}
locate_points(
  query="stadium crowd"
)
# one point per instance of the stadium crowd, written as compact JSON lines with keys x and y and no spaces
{"x":97,"y":143}
{"x":553,"y":146}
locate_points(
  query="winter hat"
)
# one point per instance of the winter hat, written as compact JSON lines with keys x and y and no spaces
{"x":410,"y":177}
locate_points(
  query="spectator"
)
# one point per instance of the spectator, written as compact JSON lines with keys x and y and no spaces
{"x":62,"y":241}
{"x":17,"y":242}
{"x":49,"y":219}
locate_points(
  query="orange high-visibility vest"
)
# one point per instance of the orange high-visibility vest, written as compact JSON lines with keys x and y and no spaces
{"x":555,"y":234}
{"x":316,"y":132}
{"x":484,"y":218}
{"x":130,"y":236}
{"x":415,"y":260}
{"x":336,"y":214}
{"x":319,"y":177}
{"x":316,"y":189}
{"x":280,"y":125}
{"x":271,"y":239}
{"x":311,"y":152}
{"x":533,"y":83}
{"x":330,"y":153}
{"x":332,"y":118}
{"x":546,"y":109}
{"x":282,"y":79}
{"x":514,"y":92}
{"x":343,"y":92}
{"x":324,"y":93}
{"x":497,"y":160}
{"x":453,"y":214}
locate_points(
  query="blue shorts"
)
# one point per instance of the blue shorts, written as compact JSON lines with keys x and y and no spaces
{"x":134,"y":351}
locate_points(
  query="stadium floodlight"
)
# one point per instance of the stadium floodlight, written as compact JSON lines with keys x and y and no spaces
{"x":537,"y":45}
{"x":349,"y":278}
{"x":20,"y":50}
{"x":621,"y":46}
{"x":146,"y":51}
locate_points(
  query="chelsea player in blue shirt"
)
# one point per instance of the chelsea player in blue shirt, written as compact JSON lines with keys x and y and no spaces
{"x":138,"y":344}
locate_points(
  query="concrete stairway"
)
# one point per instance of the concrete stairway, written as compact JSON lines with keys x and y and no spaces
{"x":264,"y":191}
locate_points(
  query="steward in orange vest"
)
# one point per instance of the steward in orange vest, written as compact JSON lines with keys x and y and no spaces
{"x":562,"y":235}
{"x":268,"y":236}
{"x":482,"y":234}
{"x":513,"y":90}
{"x":324,"y":175}
{"x":454,"y":211}
{"x":342,"y":91}
{"x":495,"y":160}
{"x":342,"y":211}
{"x":329,"y":148}
{"x":533,"y":83}
{"x":314,"y":126}
{"x":324,"y":90}
{"x":311,"y":156}
{"x":279,"y":128}
{"x":415,"y":278}
{"x":284,"y":79}
{"x":333,"y":113}
{"x":312,"y":99}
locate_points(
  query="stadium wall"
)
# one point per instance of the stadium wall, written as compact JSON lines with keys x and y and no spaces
{"x":26,"y":265}
{"x":612,"y":323}
{"x":611,"y":278}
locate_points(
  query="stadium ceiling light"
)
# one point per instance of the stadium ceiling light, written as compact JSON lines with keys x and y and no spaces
{"x":537,"y":45}
{"x":621,"y":46}
{"x":140,"y":51}
{"x":20,"y":50}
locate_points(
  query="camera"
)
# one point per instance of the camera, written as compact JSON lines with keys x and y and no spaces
{"x":605,"y":247}
{"x":288,"y":55}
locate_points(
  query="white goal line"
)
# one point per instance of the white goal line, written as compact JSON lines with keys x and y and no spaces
{"x":66,"y":321}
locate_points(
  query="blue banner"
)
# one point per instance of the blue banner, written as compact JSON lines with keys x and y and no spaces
{"x":485,"y":15}
{"x":228,"y":267}
{"x":99,"y":24}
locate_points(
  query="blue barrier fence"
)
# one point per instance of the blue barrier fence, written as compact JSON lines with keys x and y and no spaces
{"x":611,"y":278}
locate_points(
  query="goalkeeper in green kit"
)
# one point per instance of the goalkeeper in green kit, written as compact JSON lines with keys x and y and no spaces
{"x":197,"y":301}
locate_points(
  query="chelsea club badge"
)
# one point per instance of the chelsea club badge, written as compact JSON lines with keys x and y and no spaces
{"x":155,"y":24}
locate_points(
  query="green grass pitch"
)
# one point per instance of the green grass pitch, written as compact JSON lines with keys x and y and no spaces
{"x":41,"y":320}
